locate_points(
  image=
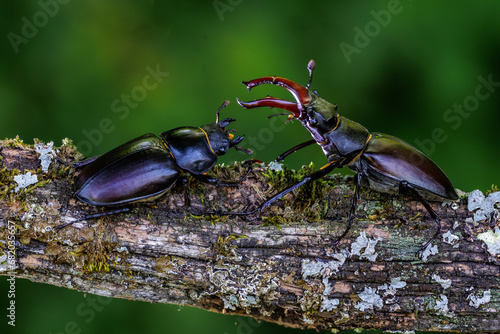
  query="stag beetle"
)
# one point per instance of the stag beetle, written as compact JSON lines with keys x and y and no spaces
{"x":383,"y":162}
{"x":144,"y":168}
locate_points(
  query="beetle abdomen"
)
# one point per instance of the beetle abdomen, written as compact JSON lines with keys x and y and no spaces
{"x":388,"y":160}
{"x":140,"y":175}
{"x":140,"y":169}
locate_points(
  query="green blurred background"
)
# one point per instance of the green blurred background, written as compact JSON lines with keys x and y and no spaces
{"x":83,"y":70}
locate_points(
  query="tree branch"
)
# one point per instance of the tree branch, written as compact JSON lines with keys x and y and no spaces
{"x":279,"y":267}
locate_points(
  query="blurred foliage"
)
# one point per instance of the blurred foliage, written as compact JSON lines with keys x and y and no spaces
{"x":80,"y":68}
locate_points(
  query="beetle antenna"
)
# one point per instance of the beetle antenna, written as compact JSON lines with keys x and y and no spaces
{"x":310,"y":67}
{"x":224,"y":104}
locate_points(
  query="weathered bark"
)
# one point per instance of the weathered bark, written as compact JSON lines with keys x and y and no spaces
{"x":279,"y":267}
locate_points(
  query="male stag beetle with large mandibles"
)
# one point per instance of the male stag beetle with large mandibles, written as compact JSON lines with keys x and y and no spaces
{"x":146,"y":167}
{"x":383,"y":162}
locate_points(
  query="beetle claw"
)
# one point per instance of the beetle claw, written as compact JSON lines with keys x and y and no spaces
{"x":299,"y":92}
{"x":237,"y":140}
{"x":272,"y":102}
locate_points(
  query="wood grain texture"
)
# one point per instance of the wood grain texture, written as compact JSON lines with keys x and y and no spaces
{"x":279,"y":266}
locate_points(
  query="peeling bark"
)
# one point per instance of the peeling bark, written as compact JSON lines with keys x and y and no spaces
{"x":279,"y":266}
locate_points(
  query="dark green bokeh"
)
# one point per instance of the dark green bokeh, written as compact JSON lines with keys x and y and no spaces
{"x":407,"y":71}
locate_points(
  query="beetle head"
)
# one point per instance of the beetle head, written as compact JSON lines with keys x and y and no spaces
{"x":219,"y":138}
{"x":316,"y":114}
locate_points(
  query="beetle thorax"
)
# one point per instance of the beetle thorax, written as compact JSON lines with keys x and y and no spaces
{"x":319,"y":117}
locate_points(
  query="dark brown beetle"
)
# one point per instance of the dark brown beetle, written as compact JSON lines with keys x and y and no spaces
{"x":383,"y":162}
{"x":146,"y":167}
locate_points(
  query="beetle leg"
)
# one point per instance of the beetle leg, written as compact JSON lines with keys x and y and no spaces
{"x":405,"y":187}
{"x":272,"y":102}
{"x":185,"y":185}
{"x":282,"y":156}
{"x":227,"y":183}
{"x":308,"y":178}
{"x":355,"y":198}
{"x":96,"y":215}
{"x":326,"y":169}
{"x":77,"y":164}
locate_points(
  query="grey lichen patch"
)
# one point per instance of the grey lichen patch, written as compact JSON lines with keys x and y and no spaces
{"x":476,"y":301}
{"x":275,"y":166}
{"x":441,"y":306}
{"x":329,"y":304}
{"x":34,"y":210}
{"x":428,"y":251}
{"x":45,"y":151}
{"x":492,"y":241}
{"x":451,"y":239}
{"x":323,"y":268}
{"x":25,"y":180}
{"x":369,"y":300}
{"x":364,"y":247}
{"x":311,"y":269}
{"x":483,"y":206}
{"x":445,"y":283}
{"x":391,"y":289}
{"x":246,"y":288}
{"x":370,"y":297}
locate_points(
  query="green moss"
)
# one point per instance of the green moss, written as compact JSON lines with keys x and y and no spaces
{"x":7,"y":183}
{"x":194,"y":186}
{"x":212,"y":218}
{"x":494,"y":188}
{"x":15,"y":143}
{"x":274,"y":220}
{"x":309,"y":199}
{"x":96,"y":253}
{"x":223,"y":245}
{"x":68,"y":151}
